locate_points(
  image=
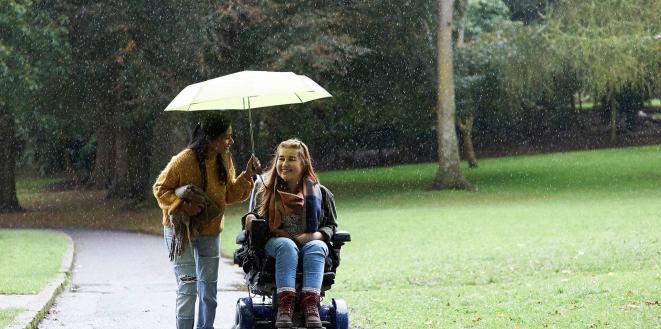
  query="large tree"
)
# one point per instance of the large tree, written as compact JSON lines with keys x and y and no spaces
{"x":477,"y":59}
{"x":449,"y":175}
{"x":601,"y":48}
{"x":130,"y":59}
{"x":32,"y":50}
{"x":612,"y":45}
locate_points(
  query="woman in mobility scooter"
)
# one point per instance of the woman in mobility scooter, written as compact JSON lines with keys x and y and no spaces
{"x":301,"y":218}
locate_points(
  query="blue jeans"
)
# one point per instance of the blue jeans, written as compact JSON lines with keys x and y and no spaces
{"x":286,"y":253}
{"x":196,"y":272}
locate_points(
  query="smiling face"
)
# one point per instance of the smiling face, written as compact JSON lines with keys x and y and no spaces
{"x":222,"y":143}
{"x":289,"y":165}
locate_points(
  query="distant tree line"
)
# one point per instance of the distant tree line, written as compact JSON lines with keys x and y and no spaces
{"x":84,"y":82}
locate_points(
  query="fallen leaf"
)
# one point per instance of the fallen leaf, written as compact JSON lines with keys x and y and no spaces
{"x":631,"y":306}
{"x":656,"y":302}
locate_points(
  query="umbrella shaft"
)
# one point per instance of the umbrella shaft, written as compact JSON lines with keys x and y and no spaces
{"x":252,"y":139}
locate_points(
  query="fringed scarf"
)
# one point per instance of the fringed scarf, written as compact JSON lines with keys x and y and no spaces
{"x":308,"y":203}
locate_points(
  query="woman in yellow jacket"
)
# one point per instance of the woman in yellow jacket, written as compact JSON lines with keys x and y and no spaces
{"x":206,"y":162}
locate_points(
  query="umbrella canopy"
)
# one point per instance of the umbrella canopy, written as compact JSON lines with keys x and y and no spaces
{"x":247,"y":90}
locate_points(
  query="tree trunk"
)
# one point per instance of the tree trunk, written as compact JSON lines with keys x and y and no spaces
{"x":577,"y":112}
{"x":449,"y":174}
{"x":171,"y":132}
{"x":131,"y":176}
{"x":69,"y":168}
{"x":460,"y":36}
{"x":8,"y":199}
{"x":140,"y":163}
{"x":104,"y":161}
{"x":120,"y":179}
{"x":613,"y":123}
{"x":466,"y":127}
{"x":461,"y":11}
{"x":580,"y":102}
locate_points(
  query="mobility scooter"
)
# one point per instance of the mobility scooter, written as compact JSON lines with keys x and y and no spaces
{"x":258,"y":309}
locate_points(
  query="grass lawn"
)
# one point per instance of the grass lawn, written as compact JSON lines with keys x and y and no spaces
{"x":30,"y":259}
{"x":7,"y":316}
{"x":652,"y":103}
{"x":29,"y":187}
{"x":568,"y":240}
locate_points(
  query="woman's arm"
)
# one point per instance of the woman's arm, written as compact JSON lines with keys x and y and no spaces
{"x":328,"y":224}
{"x":165,"y":185}
{"x":238,"y":188}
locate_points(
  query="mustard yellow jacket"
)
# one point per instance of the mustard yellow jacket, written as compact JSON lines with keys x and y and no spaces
{"x":183,"y":169}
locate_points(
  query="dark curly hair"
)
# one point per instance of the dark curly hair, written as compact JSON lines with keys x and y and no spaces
{"x":211,"y":127}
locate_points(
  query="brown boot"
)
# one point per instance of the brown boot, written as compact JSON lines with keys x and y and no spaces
{"x":285,"y":309}
{"x":310,"y":305}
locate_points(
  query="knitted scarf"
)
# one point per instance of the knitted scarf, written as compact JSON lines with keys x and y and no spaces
{"x":283,"y":204}
{"x":190,"y":226}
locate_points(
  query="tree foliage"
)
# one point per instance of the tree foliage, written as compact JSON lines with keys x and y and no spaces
{"x":32,"y":50}
{"x":522,"y":63}
{"x":610,"y":44}
{"x":32,"y":54}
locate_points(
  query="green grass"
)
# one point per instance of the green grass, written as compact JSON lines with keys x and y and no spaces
{"x":567,"y":240}
{"x":8,"y":315}
{"x":30,"y":259}
{"x":27,"y":187}
{"x":656,"y":102}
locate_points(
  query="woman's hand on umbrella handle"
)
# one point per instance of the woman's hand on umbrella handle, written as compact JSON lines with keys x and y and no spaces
{"x":253,"y":167}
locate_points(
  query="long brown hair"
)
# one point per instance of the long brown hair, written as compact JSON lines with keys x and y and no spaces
{"x":272,"y":177}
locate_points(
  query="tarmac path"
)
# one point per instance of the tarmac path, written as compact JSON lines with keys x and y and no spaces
{"x":124,"y":280}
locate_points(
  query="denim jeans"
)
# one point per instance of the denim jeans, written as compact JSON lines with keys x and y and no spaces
{"x":286,"y":254}
{"x":196,"y":272}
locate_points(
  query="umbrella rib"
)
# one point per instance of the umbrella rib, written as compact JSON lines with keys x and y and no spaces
{"x":299,"y":97}
{"x":196,"y":94}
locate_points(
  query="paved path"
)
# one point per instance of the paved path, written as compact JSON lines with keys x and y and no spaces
{"x":124,"y":280}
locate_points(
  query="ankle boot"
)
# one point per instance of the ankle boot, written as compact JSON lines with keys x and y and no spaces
{"x":285,"y":309}
{"x":311,"y":310}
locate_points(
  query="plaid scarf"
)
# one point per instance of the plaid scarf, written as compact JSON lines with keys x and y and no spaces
{"x":308,"y":203}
